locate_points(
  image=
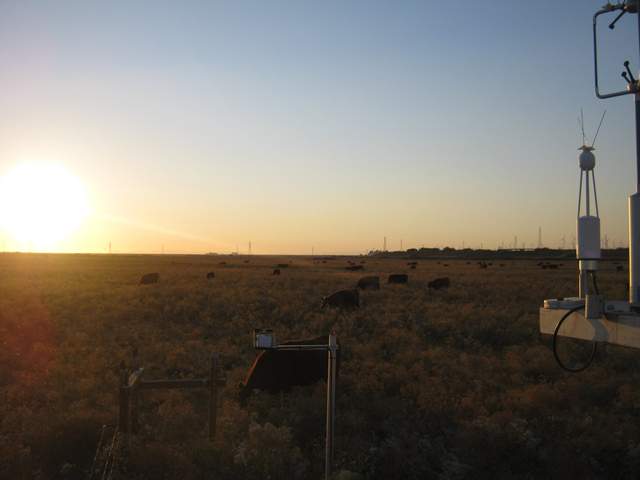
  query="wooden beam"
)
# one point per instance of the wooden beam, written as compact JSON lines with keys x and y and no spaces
{"x":620,"y":330}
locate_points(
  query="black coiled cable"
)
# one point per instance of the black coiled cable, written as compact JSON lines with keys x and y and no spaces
{"x":555,"y":347}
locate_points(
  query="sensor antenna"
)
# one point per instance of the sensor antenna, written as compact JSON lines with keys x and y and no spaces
{"x":582,"y":126}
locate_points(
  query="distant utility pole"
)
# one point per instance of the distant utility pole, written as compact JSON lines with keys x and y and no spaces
{"x":515,"y":242}
{"x":384,"y":245}
{"x":400,"y":244}
{"x":109,"y":246}
{"x":249,"y":247}
{"x":539,"y":237}
{"x":606,"y":242}
{"x":564,"y":240}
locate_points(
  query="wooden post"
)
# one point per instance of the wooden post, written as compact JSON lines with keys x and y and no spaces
{"x":213,"y":396}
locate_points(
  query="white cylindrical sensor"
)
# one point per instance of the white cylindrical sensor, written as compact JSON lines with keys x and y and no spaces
{"x":588,"y":247}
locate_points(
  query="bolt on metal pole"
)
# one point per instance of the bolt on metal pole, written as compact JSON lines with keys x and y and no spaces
{"x":331,"y":403}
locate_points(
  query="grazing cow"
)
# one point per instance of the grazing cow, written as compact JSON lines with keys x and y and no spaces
{"x":276,"y":271}
{"x":439,"y":283}
{"x":445,"y":264}
{"x":619,"y":268}
{"x":354,"y":268}
{"x":398,"y":278}
{"x":347,"y":299}
{"x":369,"y":283}
{"x":502,"y":264}
{"x":211,"y":275}
{"x":278,"y":370}
{"x":412,"y":267}
{"x":149,"y":278}
{"x":222,"y":263}
{"x":482,"y":264}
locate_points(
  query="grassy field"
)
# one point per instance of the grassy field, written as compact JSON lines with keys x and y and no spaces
{"x":446,"y":384}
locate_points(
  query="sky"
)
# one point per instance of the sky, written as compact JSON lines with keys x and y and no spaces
{"x":199,"y":126}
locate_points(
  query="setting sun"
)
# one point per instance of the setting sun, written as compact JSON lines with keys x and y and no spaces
{"x":41,"y":204}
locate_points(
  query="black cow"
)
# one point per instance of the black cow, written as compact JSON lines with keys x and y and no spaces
{"x":347,"y":299}
{"x":276,"y":271}
{"x":398,"y":278}
{"x":279,"y":370}
{"x":149,"y":278}
{"x":211,"y":275}
{"x":439,"y":283}
{"x":369,"y":283}
{"x":412,"y":267}
{"x":354,"y":268}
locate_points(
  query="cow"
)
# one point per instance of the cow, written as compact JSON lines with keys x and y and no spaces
{"x":369,"y":283}
{"x":278,"y":370}
{"x":211,"y":275}
{"x":398,"y":278}
{"x":149,"y":278}
{"x":619,"y":268}
{"x":276,"y":271}
{"x":445,"y":264}
{"x":482,"y":264}
{"x":439,"y":283}
{"x":222,"y":263}
{"x":412,"y":263}
{"x":347,"y":299}
{"x":412,"y":267}
{"x":355,"y":268}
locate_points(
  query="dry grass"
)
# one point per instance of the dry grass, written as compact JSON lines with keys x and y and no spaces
{"x":446,"y":384}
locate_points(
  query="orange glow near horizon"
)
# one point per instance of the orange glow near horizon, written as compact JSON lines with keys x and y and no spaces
{"x":41,"y":205}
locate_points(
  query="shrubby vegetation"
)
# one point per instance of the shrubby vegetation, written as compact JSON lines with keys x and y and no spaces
{"x":447,"y":384}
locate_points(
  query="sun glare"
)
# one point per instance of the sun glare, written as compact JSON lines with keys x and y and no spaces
{"x":40,"y":205}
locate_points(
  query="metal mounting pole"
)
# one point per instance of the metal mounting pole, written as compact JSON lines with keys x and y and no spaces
{"x":634,"y":213}
{"x":331,"y":403}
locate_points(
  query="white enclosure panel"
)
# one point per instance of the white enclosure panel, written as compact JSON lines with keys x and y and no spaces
{"x":624,"y":330}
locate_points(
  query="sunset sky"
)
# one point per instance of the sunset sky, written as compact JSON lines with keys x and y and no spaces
{"x":201,"y":125}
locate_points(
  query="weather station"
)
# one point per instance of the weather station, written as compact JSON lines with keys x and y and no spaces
{"x":590,"y":316}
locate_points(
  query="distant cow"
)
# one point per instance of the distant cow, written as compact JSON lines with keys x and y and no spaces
{"x":619,"y":268}
{"x":398,"y":278}
{"x":412,"y":263}
{"x":354,"y":268}
{"x":412,"y":267}
{"x":149,"y":278}
{"x":276,"y":271}
{"x":222,"y":263}
{"x":369,"y":283}
{"x":439,"y":283}
{"x":445,"y":264}
{"x":279,"y":370}
{"x":482,"y":264}
{"x":211,"y":275}
{"x":346,"y":299}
